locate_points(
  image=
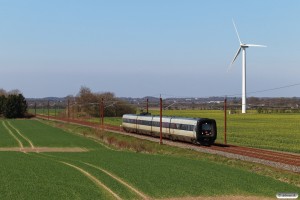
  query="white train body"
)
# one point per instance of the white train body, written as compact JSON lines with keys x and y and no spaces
{"x":196,"y":130}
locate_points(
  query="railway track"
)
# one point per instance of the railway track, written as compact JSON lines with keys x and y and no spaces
{"x":289,"y":161}
{"x":280,"y":157}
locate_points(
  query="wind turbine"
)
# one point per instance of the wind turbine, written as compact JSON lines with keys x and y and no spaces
{"x":243,"y":48}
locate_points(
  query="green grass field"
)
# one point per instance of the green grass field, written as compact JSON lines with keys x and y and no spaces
{"x":43,"y":135}
{"x":166,"y":172}
{"x":25,"y":176}
{"x":6,"y":140}
{"x":268,"y":131}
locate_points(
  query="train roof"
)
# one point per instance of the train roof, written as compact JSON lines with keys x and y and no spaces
{"x":173,"y":117}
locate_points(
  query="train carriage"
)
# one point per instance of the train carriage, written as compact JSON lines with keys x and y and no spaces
{"x":195,"y":130}
{"x":129,"y":123}
{"x":183,"y":129}
{"x":144,"y":124}
{"x":165,"y":126}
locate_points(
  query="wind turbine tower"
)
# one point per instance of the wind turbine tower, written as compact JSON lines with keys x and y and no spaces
{"x":243,"y":47}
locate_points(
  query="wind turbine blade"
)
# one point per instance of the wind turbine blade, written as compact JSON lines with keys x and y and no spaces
{"x":255,"y":45}
{"x":237,"y":33}
{"x":236,"y":55}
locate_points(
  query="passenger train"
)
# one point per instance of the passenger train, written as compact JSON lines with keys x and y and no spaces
{"x":194,"y":130}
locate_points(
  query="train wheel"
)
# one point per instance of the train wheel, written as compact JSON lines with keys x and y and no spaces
{"x":194,"y":141}
{"x":172,"y":138}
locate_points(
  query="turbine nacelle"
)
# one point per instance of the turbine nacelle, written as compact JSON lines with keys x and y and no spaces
{"x":244,"y":46}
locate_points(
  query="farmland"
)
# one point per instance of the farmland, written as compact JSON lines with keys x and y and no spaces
{"x":277,"y":131}
{"x":269,"y":131}
{"x":109,"y":172}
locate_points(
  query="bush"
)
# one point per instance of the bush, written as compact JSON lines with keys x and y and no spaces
{"x":123,"y":145}
{"x":111,"y":140}
{"x":14,"y":106}
{"x":2,"y":103}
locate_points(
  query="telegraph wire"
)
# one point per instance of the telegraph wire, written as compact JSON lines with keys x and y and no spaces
{"x":234,"y":95}
{"x":267,"y":90}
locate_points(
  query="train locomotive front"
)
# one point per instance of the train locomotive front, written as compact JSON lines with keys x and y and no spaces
{"x":206,"y":131}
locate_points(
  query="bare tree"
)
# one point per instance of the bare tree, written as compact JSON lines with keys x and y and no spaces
{"x":90,"y":103}
{"x":2,"y":92}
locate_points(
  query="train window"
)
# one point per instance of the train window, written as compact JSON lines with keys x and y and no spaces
{"x":131,"y":121}
{"x":191,"y":127}
{"x":185,"y":127}
{"x":126,"y":120}
{"x":146,"y":123}
{"x":206,"y":127}
{"x":142,"y":122}
{"x":156,"y":124}
{"x":173,"y":126}
{"x":165,"y":124}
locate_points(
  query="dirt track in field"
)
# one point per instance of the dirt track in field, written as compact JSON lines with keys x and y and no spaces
{"x":12,"y":134}
{"x":44,"y":149}
{"x":94,"y":179}
{"x":24,"y":137}
{"x":141,"y":194}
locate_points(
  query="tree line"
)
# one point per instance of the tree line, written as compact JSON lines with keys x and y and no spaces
{"x":12,"y":104}
{"x":89,"y":103}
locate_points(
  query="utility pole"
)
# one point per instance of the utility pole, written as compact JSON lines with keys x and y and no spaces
{"x":160,"y":120}
{"x":102,"y":113}
{"x":34,"y":108}
{"x":225,"y":119}
{"x":55,"y":110}
{"x":73,"y":110}
{"x":147,"y":106}
{"x":68,"y":109}
{"x":48,"y":109}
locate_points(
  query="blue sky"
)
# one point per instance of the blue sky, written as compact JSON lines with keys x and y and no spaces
{"x":138,"y":48}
